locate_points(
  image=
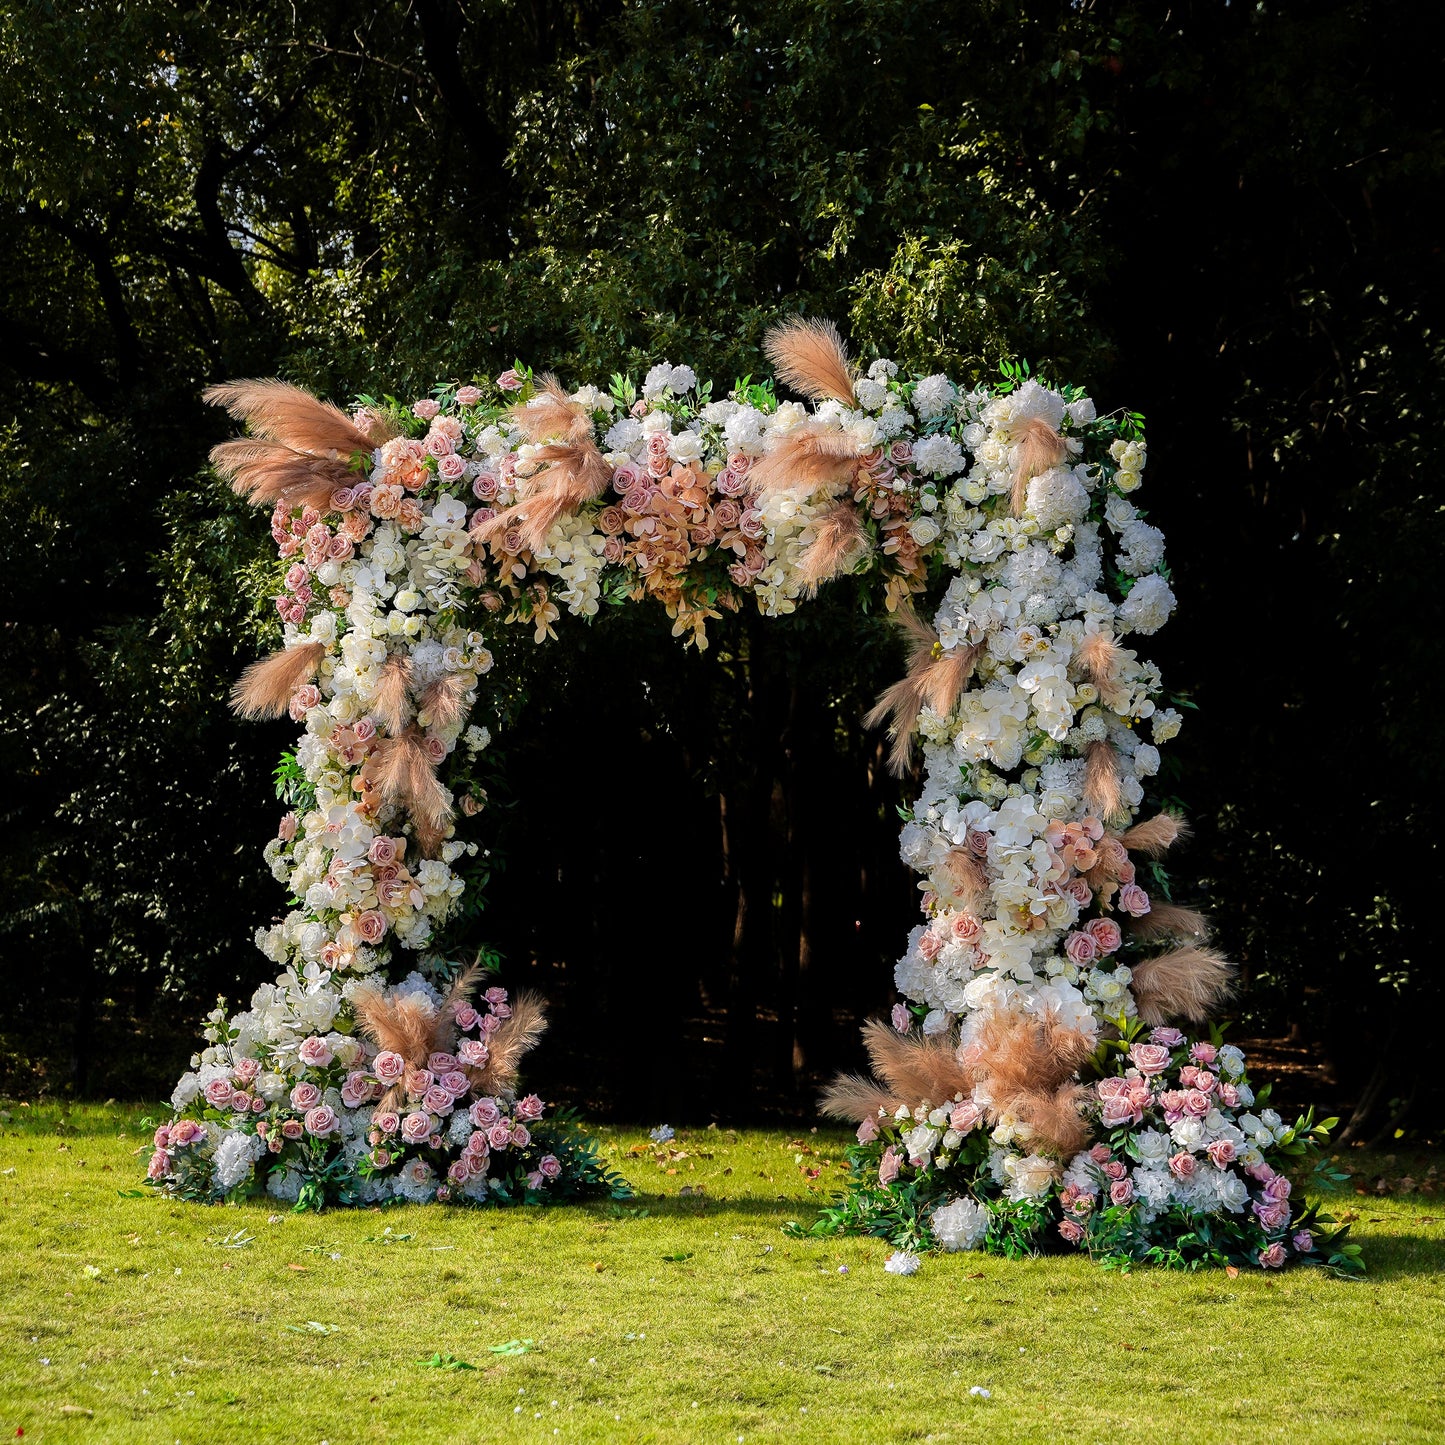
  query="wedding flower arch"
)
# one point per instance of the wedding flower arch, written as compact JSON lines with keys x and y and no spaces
{"x":1001,"y":526}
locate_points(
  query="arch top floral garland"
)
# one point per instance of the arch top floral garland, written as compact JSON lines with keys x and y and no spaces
{"x":409,"y":535}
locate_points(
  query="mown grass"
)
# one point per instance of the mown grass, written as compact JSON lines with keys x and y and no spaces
{"x":684,"y":1316}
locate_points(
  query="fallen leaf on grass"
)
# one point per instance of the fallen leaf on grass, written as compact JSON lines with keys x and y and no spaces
{"x":127,"y":1193}
{"x":239,"y":1240}
{"x":300,"y":1268}
{"x":679,"y":1256}
{"x":76,"y":1410}
{"x":1232,"y":1271}
{"x":440,"y":1361}
{"x":979,"y":1275}
{"x":512,"y":1347}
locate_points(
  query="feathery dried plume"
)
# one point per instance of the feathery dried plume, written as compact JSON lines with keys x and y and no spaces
{"x":1027,"y":1064}
{"x":405,"y":776}
{"x":267,"y":472}
{"x":966,"y":874}
{"x":457,"y":995}
{"x":286,"y":413}
{"x":1102,"y":794}
{"x":391,"y":703}
{"x":506,"y":1047}
{"x":855,"y":1097}
{"x":400,"y":1022}
{"x":936,"y":677}
{"x":1039,"y":448}
{"x":1099,"y":655}
{"x":1187,"y":982}
{"x":1054,"y":1117}
{"x":266,"y":687}
{"x":444,"y":701}
{"x":576,"y":473}
{"x":1155,"y":836}
{"x":806,"y":459}
{"x":552,"y":413}
{"x":808,"y":355}
{"x":839,"y":541}
{"x":916,"y":1067}
{"x":1170,"y":920}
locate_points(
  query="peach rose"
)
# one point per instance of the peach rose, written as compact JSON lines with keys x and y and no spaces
{"x":371,"y":926}
{"x":426,"y":408}
{"x":1105,"y":933}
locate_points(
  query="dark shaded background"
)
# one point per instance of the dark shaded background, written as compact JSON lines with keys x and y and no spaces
{"x":1215,"y":213}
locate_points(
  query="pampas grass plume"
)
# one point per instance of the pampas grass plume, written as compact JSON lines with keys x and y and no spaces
{"x":808,"y":355}
{"x":266,"y":687}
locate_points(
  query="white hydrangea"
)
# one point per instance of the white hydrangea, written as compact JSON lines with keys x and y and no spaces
{"x":1148,"y":606}
{"x":938,"y":456}
{"x":931,"y":395}
{"x":1057,"y":497}
{"x":960,"y":1225}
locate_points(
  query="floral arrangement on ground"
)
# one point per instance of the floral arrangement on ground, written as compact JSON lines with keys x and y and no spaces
{"x":998,"y":525}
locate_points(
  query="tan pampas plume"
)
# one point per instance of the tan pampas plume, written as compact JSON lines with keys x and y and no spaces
{"x":854,"y":1097}
{"x":1099,"y":655}
{"x":266,"y":687}
{"x":405,"y":776}
{"x":1039,"y":448}
{"x":551,"y":413}
{"x":966,"y":873}
{"x":506,"y":1047}
{"x":391,"y":703}
{"x":1101,"y":780}
{"x":809,"y":458}
{"x":1187,"y":982}
{"x":286,"y":413}
{"x":916,"y":1067}
{"x":1170,"y":920}
{"x":1155,"y":836}
{"x":839,"y":541}
{"x":443,"y":702}
{"x":1026,"y":1064}
{"x":936,"y":678}
{"x":808,"y":355}
{"x":267,"y":473}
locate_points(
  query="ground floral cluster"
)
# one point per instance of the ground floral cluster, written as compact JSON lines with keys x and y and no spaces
{"x":999,"y":522}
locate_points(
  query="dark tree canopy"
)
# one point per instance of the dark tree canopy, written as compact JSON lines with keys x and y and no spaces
{"x":1213,"y":213}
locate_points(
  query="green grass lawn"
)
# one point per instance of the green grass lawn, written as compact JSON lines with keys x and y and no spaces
{"x":685,"y":1316}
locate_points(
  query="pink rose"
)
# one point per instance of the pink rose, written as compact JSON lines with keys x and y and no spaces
{"x":451,"y":468}
{"x":364,"y":730}
{"x":1081,"y":948}
{"x":437,"y":1100}
{"x":929,"y":947}
{"x":1229,"y":1095}
{"x":1110,"y":1088}
{"x":185,"y":1132}
{"x":381,"y":1158}
{"x":901,"y":453}
{"x":426,"y":408}
{"x":550,"y":1166}
{"x":1221,"y":1152}
{"x":439,"y":444}
{"x":162,"y":1138}
{"x":868,"y":1130}
{"x":218,"y":1093}
{"x":889,"y":1165}
{"x":247,"y":1069}
{"x":966,"y":928}
{"x":1170,"y":1038}
{"x":472,"y":1053}
{"x":454,"y":1082}
{"x":321,"y":1121}
{"x":484,"y":489}
{"x":291,"y":1128}
{"x":418,"y":1081}
{"x":529,"y":1108}
{"x":1105,"y":933}
{"x":1114,"y":1169}
{"x":1277,"y":1188}
{"x":258,"y":1105}
{"x":1121,"y":1191}
{"x":520,"y":1136}
{"x":382,"y":850}
{"x":1272,"y":1216}
{"x":287,"y":831}
{"x":458,"y":1172}
{"x":500,"y":1134}
{"x":490,"y":1024}
{"x":1273,"y":1257}
{"x":1080,"y":892}
{"x":371,"y":926}
{"x":965,"y":1116}
{"x":389,"y":1067}
{"x":509,"y":380}
{"x":1071,"y":1230}
{"x":1101,"y":1153}
{"x":1133,"y":900}
{"x":1150,"y":1059}
{"x":1196,"y":1104}
{"x":315,"y":1053}
{"x":356,"y":1090}
{"x":1203,"y":1053}
{"x":1304,"y":1242}
{"x":436,"y":748}
{"x":441,"y":1063}
{"x":159,"y":1166}
{"x":1181,"y":1166}
{"x":468,"y":395}
{"x":1116,"y":1111}
{"x":902,"y":1019}
{"x":387,"y":1121}
{"x":467,"y":1017}
{"x":341,"y":548}
{"x":495,"y":996}
{"x":305,"y":1096}
{"x":416,"y":1127}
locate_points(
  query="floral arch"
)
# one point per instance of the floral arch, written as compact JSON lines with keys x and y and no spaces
{"x":1033,"y":1075}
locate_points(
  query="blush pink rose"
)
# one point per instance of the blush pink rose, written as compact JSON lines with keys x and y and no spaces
{"x":1203,"y":1053}
{"x":1101,"y":1154}
{"x":550,"y":1166}
{"x":356,"y":1090}
{"x":468,"y":395}
{"x":382,"y":851}
{"x":929,"y":947}
{"x":467,"y":1017}
{"x":1133,"y":900}
{"x":889,"y":1165}
{"x":292,"y":1129}
{"x":287,"y":831}
{"x":1080,"y":892}
{"x":966,"y":928}
{"x":472,"y":1053}
{"x":441,"y":1063}
{"x":1304,"y":1241}
{"x":315,"y":1053}
{"x":1116,"y":1111}
{"x":458,"y":1171}
{"x":455,"y":1082}
{"x":418,"y":1081}
{"x":371,"y":926}
{"x":1182,"y":1165}
{"x":437,"y":1100}
{"x":305,"y":1096}
{"x":389,"y":1067}
{"x":185,"y":1132}
{"x":1071,"y":1230}
{"x":529,"y":1108}
{"x":521,"y":1137}
{"x":1170,"y":1038}
{"x":499,"y":1136}
{"x":218,"y":1093}
{"x":484,"y":488}
{"x":1121,"y":1191}
{"x":426,"y":408}
{"x":509,"y":380}
{"x":159,"y":1166}
{"x":1081,"y":948}
{"x":868,"y":1130}
{"x":1273,"y":1257}
{"x":438,"y":443}
{"x":1150,"y":1059}
{"x":387,"y":1121}
{"x":247,"y":1069}
{"x":451,"y":468}
{"x":1278,"y":1188}
{"x":1105,"y":933}
{"x":1221,"y":1152}
{"x":965,"y":1116}
{"x":321,"y":1121}
{"x":416,"y":1127}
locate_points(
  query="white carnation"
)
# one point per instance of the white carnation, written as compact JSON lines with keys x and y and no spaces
{"x":960,"y":1225}
{"x":938,"y":456}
